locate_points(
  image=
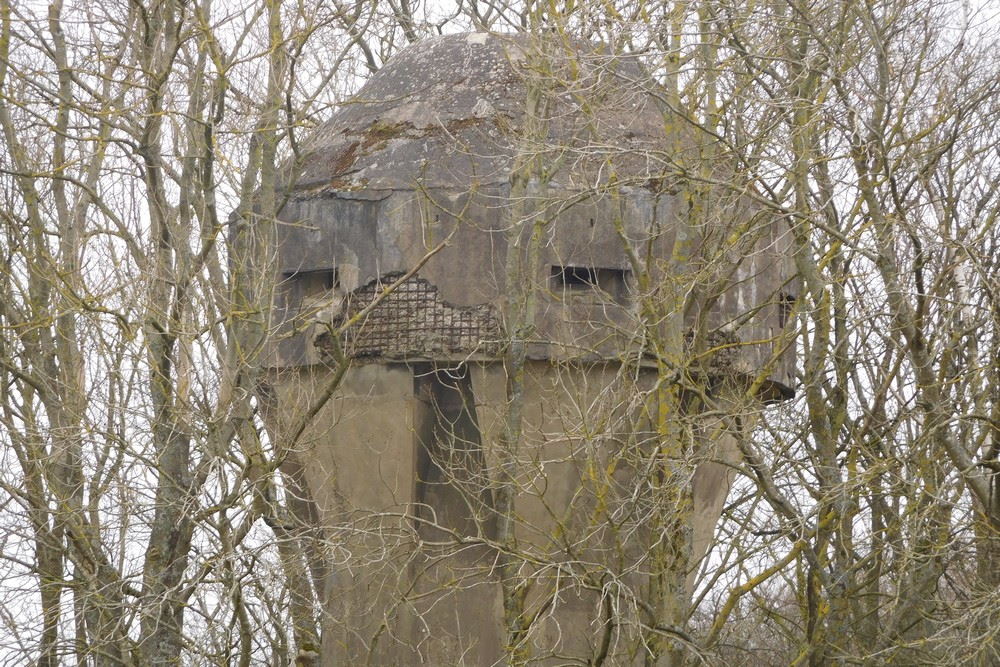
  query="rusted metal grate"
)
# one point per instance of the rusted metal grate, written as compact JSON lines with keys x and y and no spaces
{"x":414,"y":322}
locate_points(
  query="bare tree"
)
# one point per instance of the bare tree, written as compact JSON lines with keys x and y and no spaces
{"x":151,"y":518}
{"x":134,"y":310}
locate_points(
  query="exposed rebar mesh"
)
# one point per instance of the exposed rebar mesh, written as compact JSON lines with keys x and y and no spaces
{"x":414,"y":322}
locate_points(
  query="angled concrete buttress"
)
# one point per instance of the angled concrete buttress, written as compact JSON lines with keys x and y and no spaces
{"x":582,"y":204}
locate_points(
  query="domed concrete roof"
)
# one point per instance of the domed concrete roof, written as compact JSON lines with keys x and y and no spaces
{"x":448,"y":112}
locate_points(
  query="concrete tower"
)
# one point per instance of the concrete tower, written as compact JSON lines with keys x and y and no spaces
{"x":489,"y":238}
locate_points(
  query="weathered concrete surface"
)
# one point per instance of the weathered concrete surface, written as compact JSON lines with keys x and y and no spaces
{"x":368,"y":241}
{"x":445,"y":114}
{"x":413,"y":550}
{"x":402,"y":466}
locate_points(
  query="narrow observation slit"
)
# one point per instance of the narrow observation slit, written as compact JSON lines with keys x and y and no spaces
{"x":309,"y":283}
{"x":574,"y":277}
{"x":613,"y":282}
{"x":786,"y":302}
{"x":307,"y":291}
